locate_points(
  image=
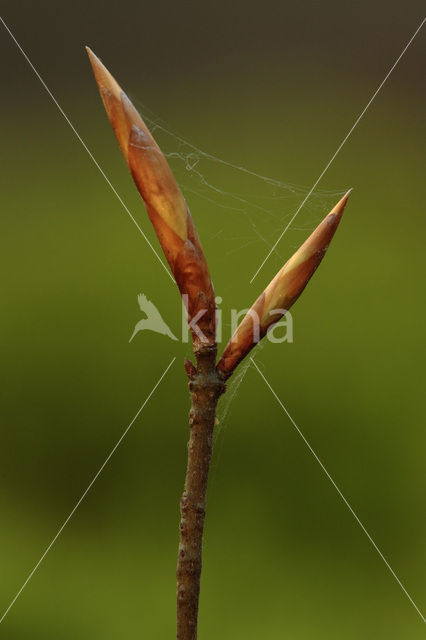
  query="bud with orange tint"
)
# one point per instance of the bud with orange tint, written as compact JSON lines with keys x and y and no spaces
{"x":165,"y":204}
{"x":282,"y":292}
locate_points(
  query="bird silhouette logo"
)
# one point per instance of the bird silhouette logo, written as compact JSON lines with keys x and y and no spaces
{"x":153,"y":320}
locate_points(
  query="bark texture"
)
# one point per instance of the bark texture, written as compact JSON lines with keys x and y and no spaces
{"x":205,"y":386}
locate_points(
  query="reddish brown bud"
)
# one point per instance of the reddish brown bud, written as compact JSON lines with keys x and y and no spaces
{"x":191,"y":371}
{"x":165,"y":204}
{"x":282,"y":292}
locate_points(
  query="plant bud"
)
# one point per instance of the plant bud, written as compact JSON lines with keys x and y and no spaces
{"x":165,"y":204}
{"x":282,"y":292}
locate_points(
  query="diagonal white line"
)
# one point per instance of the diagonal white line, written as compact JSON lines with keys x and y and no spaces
{"x":92,"y":157}
{"x":339,"y":492}
{"x":345,"y":139}
{"x":96,"y":476}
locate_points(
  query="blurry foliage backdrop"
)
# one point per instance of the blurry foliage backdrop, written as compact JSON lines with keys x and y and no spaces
{"x":272,"y":88}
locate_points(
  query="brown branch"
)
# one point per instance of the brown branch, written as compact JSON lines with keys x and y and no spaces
{"x":205,"y":386}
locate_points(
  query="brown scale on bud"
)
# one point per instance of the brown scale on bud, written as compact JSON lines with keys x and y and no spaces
{"x":165,"y":204}
{"x":281,"y":293}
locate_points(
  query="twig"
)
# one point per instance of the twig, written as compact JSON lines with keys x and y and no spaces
{"x":205,"y":386}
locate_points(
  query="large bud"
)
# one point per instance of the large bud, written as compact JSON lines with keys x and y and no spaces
{"x":165,"y":204}
{"x":282,"y":292}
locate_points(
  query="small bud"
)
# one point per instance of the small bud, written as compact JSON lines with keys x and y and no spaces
{"x":282,"y":292}
{"x":191,"y":371}
{"x":164,"y":202}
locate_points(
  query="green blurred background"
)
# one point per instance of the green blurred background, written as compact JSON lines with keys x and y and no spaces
{"x":272,"y":88}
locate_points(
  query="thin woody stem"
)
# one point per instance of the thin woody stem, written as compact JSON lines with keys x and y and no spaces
{"x":205,"y":386}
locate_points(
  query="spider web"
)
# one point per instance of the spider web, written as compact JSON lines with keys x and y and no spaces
{"x":249,"y":208}
{"x":225,"y":404}
{"x":254,"y":214}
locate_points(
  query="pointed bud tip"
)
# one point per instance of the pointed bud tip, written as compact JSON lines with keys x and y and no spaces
{"x":92,"y":56}
{"x":337,"y":211}
{"x":344,"y":200}
{"x":103,"y":77}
